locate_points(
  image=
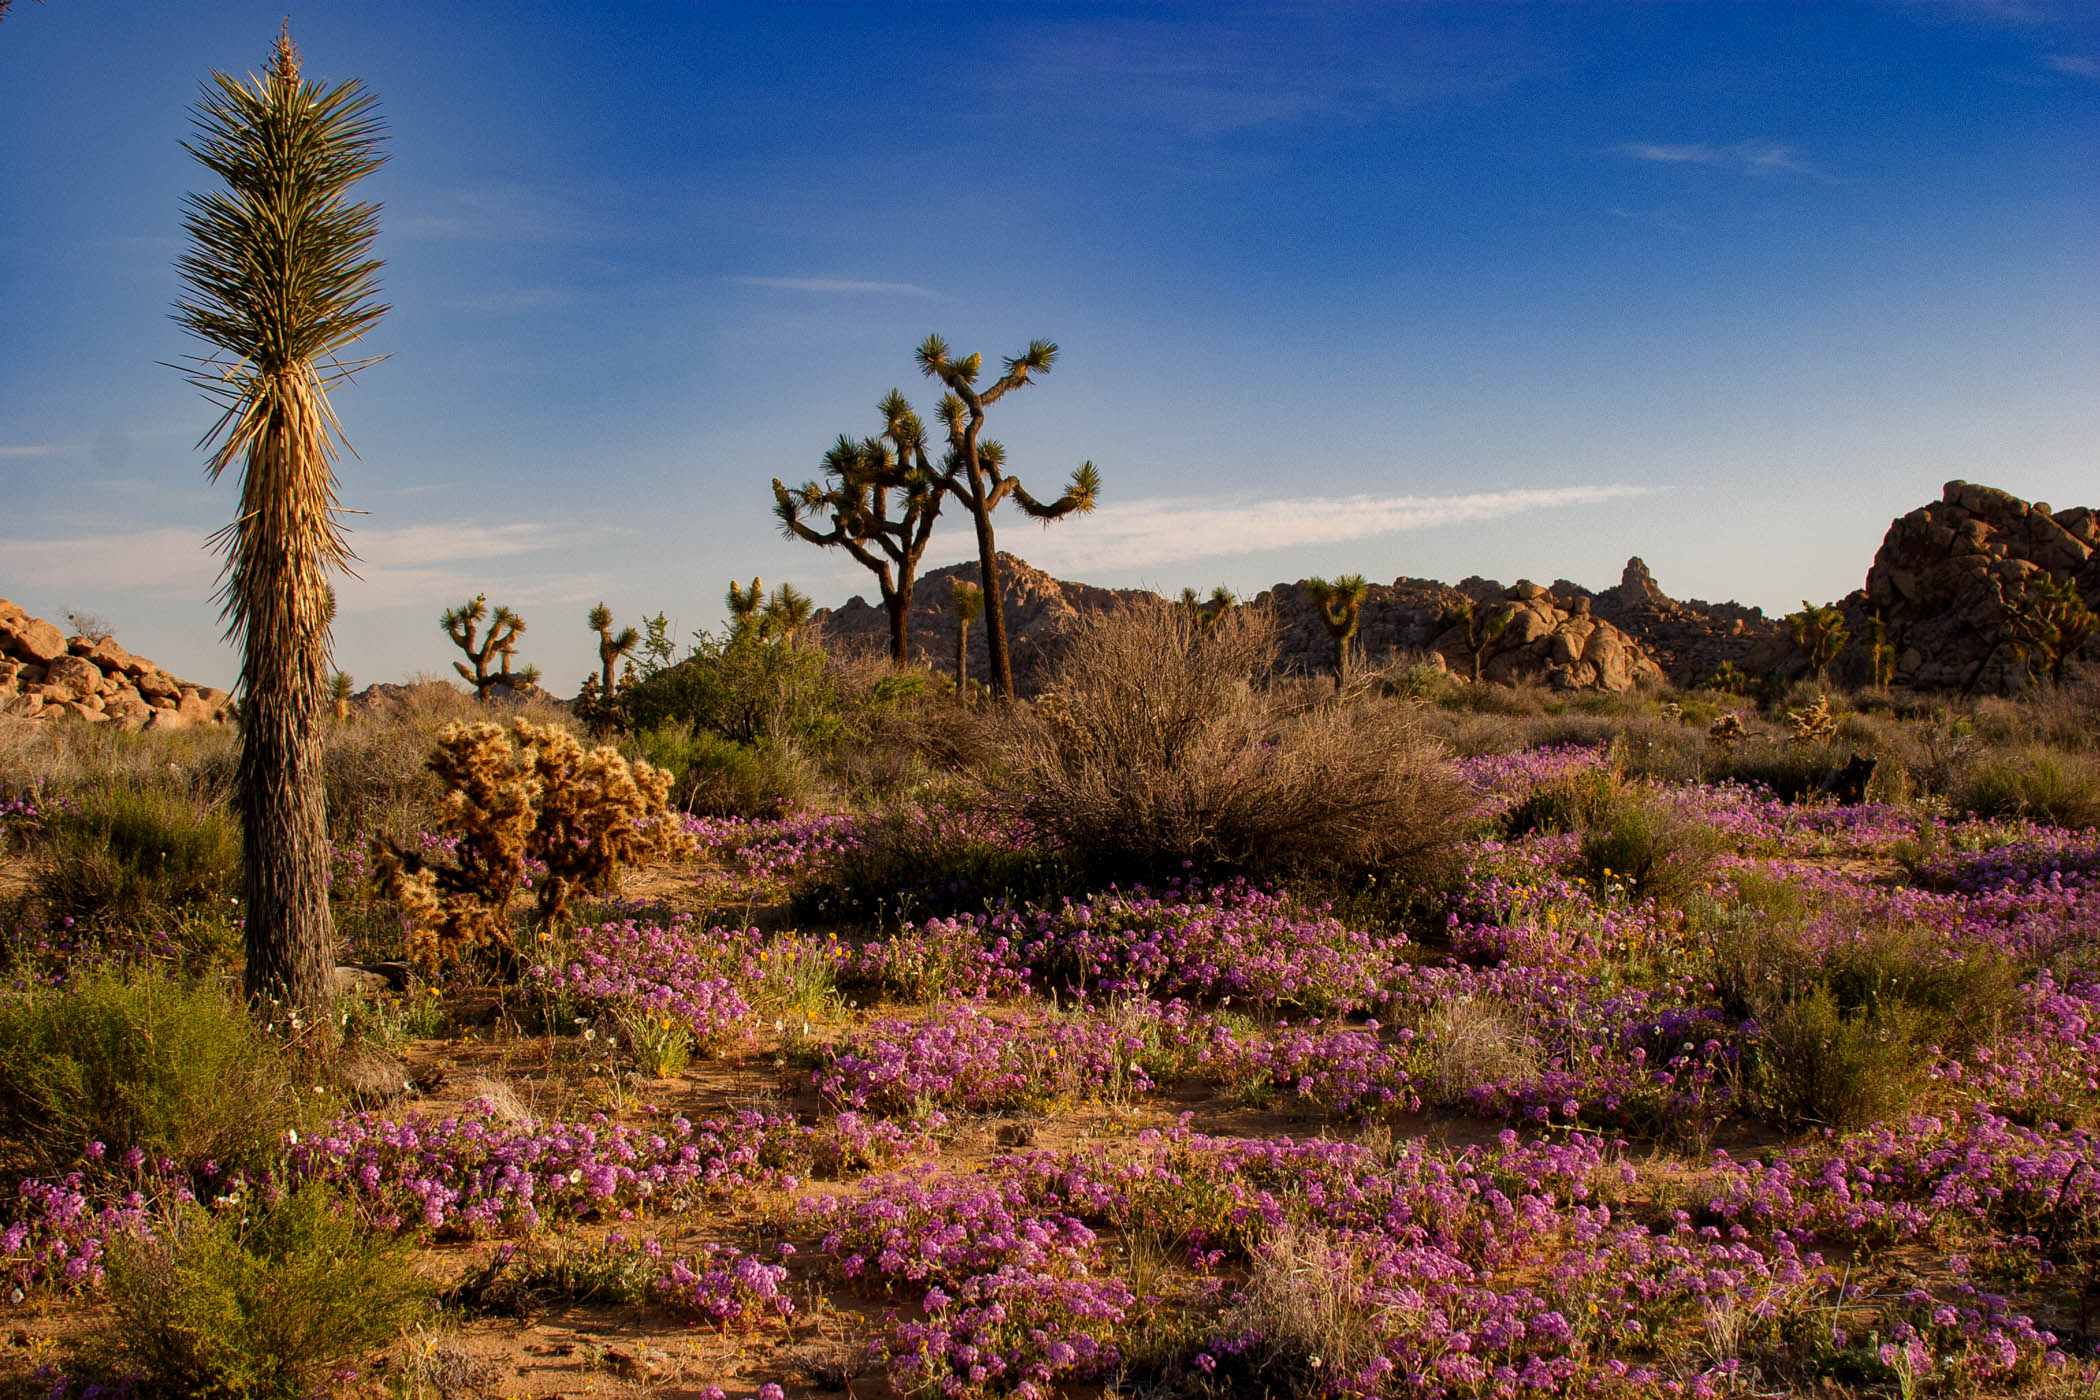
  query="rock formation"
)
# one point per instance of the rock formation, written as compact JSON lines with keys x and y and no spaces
{"x":1690,"y":640}
{"x":1037,"y":608}
{"x":1947,"y":577}
{"x":1547,"y":643}
{"x":45,"y":674}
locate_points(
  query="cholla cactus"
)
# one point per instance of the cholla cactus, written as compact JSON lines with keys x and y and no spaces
{"x":462,"y":625}
{"x":1813,"y":724}
{"x":1340,"y":605}
{"x":1725,"y":732}
{"x":531,"y":794}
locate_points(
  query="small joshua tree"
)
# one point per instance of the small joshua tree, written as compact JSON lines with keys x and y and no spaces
{"x":755,"y":617}
{"x":1483,"y":629}
{"x":339,"y":695}
{"x":462,"y":625}
{"x":968,"y":600}
{"x":512,"y":798}
{"x":1208,"y":612}
{"x":1728,"y":678}
{"x":974,"y":472}
{"x":2050,"y":623}
{"x":1881,"y":655}
{"x":881,"y":497}
{"x":1340,"y":605}
{"x":610,"y":647}
{"x":1819,"y":632}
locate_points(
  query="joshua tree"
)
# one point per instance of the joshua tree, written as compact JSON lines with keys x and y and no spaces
{"x":882,"y":498}
{"x":753,"y":615}
{"x":1483,"y":629}
{"x":278,"y":279}
{"x":1819,"y":632}
{"x":974,"y":471}
{"x":968,"y":599}
{"x":1881,"y":654}
{"x":1340,"y":605}
{"x":1207,"y":613}
{"x":461,"y":624}
{"x":2050,"y":623}
{"x":339,"y":689}
{"x":610,"y":648}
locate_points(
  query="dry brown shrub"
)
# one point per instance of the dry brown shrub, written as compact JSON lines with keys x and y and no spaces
{"x":1156,"y":744}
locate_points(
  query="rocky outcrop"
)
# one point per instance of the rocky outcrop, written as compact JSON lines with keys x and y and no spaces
{"x":1690,"y":640}
{"x":1037,"y":608}
{"x":45,"y":674}
{"x":1549,"y":642}
{"x":1948,"y":576}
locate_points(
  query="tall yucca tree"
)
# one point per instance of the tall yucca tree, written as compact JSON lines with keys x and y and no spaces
{"x":279,"y":280}
{"x":974,"y":471}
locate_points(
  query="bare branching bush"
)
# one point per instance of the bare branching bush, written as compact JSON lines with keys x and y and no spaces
{"x":1157,"y":744}
{"x":1308,"y":1299}
{"x":528,"y":795}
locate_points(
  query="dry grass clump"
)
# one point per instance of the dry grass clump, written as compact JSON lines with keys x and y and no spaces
{"x":1157,"y":744}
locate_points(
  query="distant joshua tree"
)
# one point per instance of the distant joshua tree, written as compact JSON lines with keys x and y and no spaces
{"x":339,"y":688}
{"x":278,"y":279}
{"x":610,"y":648}
{"x":1207,"y":613}
{"x":1340,"y":606}
{"x":2050,"y":623}
{"x":1820,"y":633}
{"x":968,"y":600}
{"x":974,"y":471}
{"x":462,"y":625}
{"x":881,"y":497}
{"x":754,"y":616}
{"x":1881,"y":657}
{"x":1483,"y":629}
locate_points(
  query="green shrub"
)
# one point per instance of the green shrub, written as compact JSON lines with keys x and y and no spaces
{"x":177,"y":1071}
{"x":128,"y":856}
{"x":1647,"y":848}
{"x":722,"y":777}
{"x":255,"y":1301}
{"x":2059,"y":789}
{"x":1817,"y":1064}
{"x":1571,"y":802}
{"x":744,"y":687}
{"x":918,"y":862}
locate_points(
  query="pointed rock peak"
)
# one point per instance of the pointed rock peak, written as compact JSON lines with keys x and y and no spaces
{"x":1637,"y":579}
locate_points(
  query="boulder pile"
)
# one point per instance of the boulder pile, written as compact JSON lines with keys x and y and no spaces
{"x":44,"y":674}
{"x":1562,"y":645}
{"x":1948,"y":576}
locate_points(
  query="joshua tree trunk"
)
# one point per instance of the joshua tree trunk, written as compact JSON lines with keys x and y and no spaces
{"x":288,"y":933}
{"x":962,"y":655}
{"x":994,"y":611}
{"x":899,"y":605}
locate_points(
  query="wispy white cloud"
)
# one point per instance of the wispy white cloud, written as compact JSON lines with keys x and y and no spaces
{"x":415,"y":565}
{"x":1749,"y":157}
{"x":44,"y":449}
{"x":2082,"y":65}
{"x":834,"y":285}
{"x":519,"y":299}
{"x":1144,"y":533}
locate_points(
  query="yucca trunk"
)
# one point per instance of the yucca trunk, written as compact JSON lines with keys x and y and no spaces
{"x":286,"y":492}
{"x":962,"y":655}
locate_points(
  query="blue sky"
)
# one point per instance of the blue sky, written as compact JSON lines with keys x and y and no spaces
{"x":1340,"y":288}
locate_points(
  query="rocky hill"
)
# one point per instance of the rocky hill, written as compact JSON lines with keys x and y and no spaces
{"x":44,"y":674}
{"x":1949,"y":578}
